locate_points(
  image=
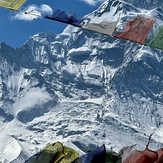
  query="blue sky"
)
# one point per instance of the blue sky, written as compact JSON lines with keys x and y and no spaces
{"x":15,"y":32}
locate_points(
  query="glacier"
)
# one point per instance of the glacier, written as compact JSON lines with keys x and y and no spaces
{"x":82,"y":87}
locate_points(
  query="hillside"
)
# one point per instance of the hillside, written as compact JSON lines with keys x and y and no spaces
{"x":81,"y":87}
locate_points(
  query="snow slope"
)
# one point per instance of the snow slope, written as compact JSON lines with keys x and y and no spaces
{"x":81,"y":87}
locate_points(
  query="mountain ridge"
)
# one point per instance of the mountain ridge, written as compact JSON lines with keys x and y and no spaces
{"x":83,"y":87}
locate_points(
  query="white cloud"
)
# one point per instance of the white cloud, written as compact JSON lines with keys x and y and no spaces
{"x":92,"y":2}
{"x":46,"y":9}
{"x":33,"y":12}
{"x":35,"y":96}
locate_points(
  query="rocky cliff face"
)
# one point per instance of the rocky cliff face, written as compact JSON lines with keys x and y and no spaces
{"x":83,"y":87}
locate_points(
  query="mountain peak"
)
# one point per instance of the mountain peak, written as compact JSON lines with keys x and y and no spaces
{"x":82,"y":86}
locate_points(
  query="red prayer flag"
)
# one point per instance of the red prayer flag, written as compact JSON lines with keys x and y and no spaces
{"x":146,"y":156}
{"x":136,"y":30}
{"x":160,"y":156}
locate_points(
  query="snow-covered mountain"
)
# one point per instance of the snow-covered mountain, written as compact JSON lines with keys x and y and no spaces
{"x":82,"y":87}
